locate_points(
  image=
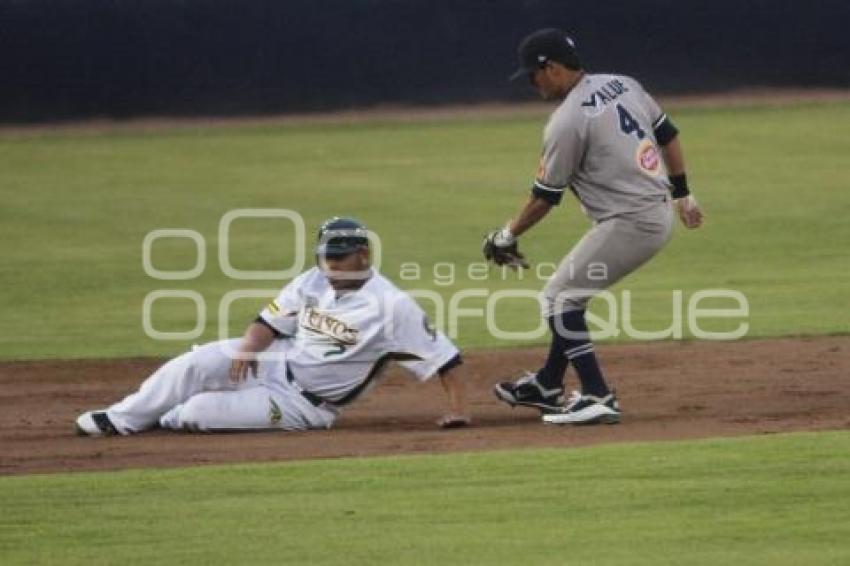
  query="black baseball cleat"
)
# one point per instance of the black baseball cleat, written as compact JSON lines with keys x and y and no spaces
{"x":95,"y":423}
{"x":528,"y":392}
{"x":587,"y":410}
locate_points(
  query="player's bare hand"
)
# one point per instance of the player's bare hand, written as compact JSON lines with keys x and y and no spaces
{"x":240,"y":369}
{"x":689,"y":211}
{"x":453,"y":421}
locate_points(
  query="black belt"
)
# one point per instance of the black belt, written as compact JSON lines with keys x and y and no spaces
{"x":314,"y":399}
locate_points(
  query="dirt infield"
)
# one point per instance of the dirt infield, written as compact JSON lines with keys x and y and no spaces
{"x":668,"y":391}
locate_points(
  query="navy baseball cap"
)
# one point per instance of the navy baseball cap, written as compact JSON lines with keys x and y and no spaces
{"x":546,"y":45}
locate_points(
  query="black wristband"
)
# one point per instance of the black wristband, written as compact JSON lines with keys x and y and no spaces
{"x":680,"y":186}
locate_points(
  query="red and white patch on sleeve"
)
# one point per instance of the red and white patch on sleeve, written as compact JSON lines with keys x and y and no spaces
{"x":648,"y":158}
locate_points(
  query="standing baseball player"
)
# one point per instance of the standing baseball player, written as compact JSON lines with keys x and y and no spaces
{"x":611,"y":144}
{"x":313,"y":350}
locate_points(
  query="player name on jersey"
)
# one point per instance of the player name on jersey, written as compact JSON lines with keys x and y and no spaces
{"x":312,"y":319}
{"x":606,"y":93}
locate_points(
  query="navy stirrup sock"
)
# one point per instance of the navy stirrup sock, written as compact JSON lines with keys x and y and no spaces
{"x":571,"y":344}
{"x":551,"y":375}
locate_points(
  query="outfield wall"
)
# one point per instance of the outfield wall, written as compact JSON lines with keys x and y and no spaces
{"x":85,"y":58}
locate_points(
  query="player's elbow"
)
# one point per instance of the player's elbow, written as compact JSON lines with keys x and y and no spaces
{"x":665,"y":131}
{"x":546,"y":198}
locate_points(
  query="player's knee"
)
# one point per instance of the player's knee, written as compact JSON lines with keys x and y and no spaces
{"x":556,"y":300}
{"x":548,"y":297}
{"x":547,"y":304}
{"x":211,"y":360}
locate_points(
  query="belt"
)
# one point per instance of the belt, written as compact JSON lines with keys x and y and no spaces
{"x":312,"y":398}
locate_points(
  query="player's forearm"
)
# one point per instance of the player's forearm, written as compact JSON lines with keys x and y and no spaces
{"x":455,"y":388}
{"x":257,"y":338}
{"x":533,"y":211}
{"x":674,"y":157}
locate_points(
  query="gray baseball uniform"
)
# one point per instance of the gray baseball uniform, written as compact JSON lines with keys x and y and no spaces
{"x":604,"y":143}
{"x":600,"y":143}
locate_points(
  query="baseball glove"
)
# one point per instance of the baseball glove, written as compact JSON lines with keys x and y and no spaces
{"x":501,"y":252}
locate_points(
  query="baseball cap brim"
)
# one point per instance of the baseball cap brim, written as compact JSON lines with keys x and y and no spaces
{"x":522,"y":72}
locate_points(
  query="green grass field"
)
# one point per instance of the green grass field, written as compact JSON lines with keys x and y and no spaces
{"x":77,"y":208}
{"x":779,"y":500}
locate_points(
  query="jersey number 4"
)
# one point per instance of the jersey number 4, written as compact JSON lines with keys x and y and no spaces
{"x":628,"y":124}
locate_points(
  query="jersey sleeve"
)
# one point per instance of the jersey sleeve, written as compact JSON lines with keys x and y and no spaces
{"x":422,"y":349}
{"x":282,"y":313}
{"x":662,"y":126}
{"x":563,"y":148}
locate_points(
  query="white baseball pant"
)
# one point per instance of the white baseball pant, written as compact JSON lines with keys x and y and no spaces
{"x":193,"y":392}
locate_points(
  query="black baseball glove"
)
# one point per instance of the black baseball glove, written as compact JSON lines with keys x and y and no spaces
{"x":502,"y":252}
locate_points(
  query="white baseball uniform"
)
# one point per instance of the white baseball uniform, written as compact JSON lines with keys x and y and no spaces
{"x":333,"y":347}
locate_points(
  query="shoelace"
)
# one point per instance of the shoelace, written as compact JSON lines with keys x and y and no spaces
{"x":527,"y":378}
{"x":575,"y":397}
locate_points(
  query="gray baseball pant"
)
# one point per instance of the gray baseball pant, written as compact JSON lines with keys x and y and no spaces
{"x":608,"y":252}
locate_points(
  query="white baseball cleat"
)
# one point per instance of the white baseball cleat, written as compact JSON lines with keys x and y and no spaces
{"x":95,"y":423}
{"x":586,"y":410}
